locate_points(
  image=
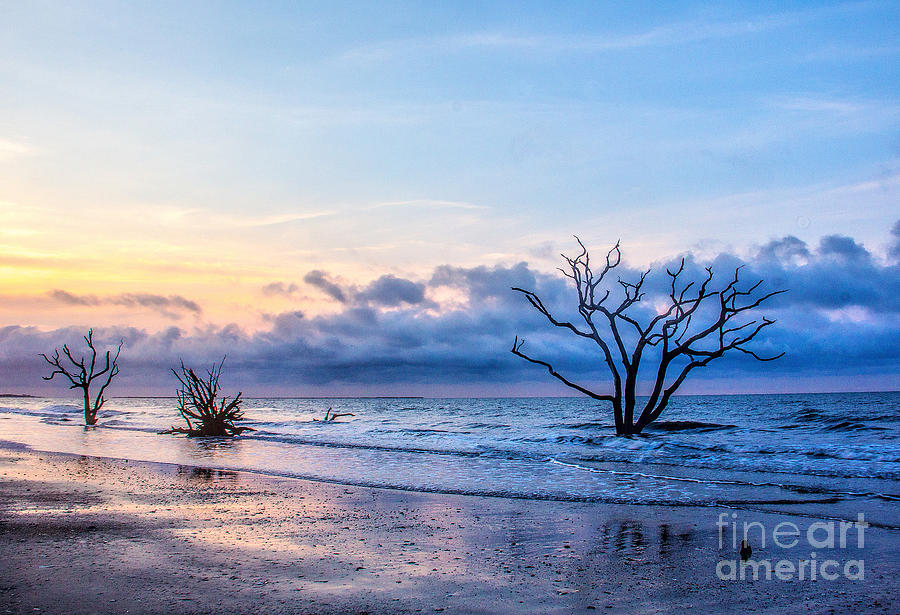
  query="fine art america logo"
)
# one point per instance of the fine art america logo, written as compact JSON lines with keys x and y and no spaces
{"x":748,"y":540}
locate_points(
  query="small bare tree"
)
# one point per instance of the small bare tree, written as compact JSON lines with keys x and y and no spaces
{"x":82,"y":373}
{"x":201,"y":408}
{"x":697,"y":326}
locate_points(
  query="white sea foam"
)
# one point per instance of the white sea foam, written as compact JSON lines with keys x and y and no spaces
{"x":707,"y":450}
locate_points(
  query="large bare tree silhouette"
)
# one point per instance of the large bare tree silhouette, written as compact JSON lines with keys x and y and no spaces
{"x":697,"y":326}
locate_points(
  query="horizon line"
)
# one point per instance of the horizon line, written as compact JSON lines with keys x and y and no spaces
{"x":325,"y":397}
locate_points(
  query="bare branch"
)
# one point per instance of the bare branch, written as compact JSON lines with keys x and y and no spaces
{"x":111,"y":370}
{"x":535,"y":301}
{"x":517,"y":350}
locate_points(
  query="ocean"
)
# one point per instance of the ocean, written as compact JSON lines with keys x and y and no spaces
{"x":829,"y":456}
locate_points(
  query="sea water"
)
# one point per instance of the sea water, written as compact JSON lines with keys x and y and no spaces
{"x":821,"y":455}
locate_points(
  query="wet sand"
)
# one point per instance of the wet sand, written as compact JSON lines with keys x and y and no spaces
{"x":89,"y":535}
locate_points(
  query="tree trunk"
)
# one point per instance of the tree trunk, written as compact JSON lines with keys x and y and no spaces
{"x":90,"y":414}
{"x":617,"y":415}
{"x":629,"y":430}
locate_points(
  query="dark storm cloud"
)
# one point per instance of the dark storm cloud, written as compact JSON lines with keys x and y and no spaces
{"x":167,"y":306}
{"x":840,"y":316}
{"x":840,"y":273}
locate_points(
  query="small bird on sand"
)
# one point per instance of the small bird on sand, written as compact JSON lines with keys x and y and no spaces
{"x":746,"y":551}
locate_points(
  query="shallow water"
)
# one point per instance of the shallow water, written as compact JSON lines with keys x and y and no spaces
{"x":825,"y":455}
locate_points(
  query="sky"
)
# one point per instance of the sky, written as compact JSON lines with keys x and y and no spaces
{"x":340,"y":195}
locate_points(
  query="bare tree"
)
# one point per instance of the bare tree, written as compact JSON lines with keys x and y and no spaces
{"x":82,"y":372}
{"x":696,"y":326}
{"x":201,"y":408}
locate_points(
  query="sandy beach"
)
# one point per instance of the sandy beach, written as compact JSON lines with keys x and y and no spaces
{"x":90,"y":535}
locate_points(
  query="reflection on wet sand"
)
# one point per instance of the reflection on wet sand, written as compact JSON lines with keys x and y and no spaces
{"x":207,"y":474}
{"x":270,"y":544}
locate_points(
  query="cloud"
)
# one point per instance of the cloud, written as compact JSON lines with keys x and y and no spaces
{"x":844,"y":248}
{"x":485,"y":284}
{"x":157,"y":302}
{"x":841,"y":317}
{"x":391,"y":291}
{"x":894,"y":247}
{"x":70,"y":299}
{"x":427,"y":203}
{"x":386,"y":291}
{"x":279,"y":288}
{"x":839,"y":274}
{"x":320,"y":280}
{"x":220,"y":220}
{"x":665,"y":35}
{"x":789,"y":249}
{"x":167,"y":306}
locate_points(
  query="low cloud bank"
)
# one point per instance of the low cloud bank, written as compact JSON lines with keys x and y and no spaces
{"x":840,"y":319}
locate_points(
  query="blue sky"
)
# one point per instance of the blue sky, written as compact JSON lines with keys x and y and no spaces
{"x":202,"y":152}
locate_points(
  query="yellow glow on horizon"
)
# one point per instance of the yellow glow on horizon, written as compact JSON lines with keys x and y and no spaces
{"x":219,"y":258}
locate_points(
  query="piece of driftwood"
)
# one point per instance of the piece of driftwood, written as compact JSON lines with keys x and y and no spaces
{"x":202,"y":409}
